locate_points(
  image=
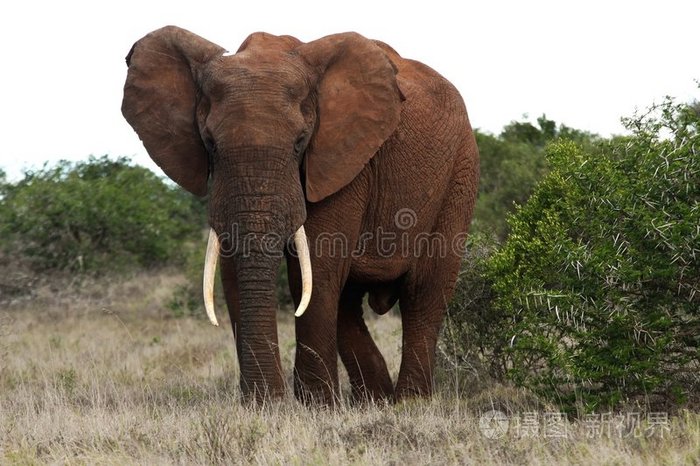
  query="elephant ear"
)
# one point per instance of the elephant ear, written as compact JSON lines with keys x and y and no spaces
{"x":359,"y":106}
{"x":160,"y":99}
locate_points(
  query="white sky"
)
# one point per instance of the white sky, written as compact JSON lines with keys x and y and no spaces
{"x":583,"y":63}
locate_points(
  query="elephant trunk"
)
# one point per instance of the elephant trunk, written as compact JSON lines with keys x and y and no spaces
{"x":254,"y":216}
{"x":259,"y":358}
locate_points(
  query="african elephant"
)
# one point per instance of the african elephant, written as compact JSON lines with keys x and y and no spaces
{"x":366,"y":158}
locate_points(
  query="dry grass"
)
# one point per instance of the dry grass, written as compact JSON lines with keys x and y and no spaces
{"x":102,"y":374}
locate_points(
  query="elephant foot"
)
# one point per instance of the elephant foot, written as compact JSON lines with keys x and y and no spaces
{"x":409,"y":390}
{"x":371,"y":385}
{"x":258,"y":396}
{"x":376,"y":396}
{"x":319,"y":394}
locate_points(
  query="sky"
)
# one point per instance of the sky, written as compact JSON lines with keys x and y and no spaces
{"x":582,"y":63}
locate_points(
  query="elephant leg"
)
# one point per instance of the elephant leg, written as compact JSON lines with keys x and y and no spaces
{"x":429,"y":286}
{"x":421,"y":318}
{"x":423,"y":305}
{"x":369,"y":376}
{"x":316,"y":361}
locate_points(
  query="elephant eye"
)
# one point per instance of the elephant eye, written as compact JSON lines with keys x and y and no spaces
{"x":300,"y":143}
{"x":210,"y":145}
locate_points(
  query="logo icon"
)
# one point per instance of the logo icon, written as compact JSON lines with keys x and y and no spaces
{"x":493,"y":424}
{"x":405,"y":219}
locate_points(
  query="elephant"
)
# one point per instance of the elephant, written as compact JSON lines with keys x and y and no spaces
{"x":356,"y":166}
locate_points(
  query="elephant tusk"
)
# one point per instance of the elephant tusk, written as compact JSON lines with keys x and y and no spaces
{"x":305,"y":264}
{"x":210,"y":262}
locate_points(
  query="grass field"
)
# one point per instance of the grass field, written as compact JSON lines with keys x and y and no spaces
{"x":103,"y":374}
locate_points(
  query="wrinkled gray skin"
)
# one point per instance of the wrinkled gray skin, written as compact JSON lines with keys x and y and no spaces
{"x":340,"y":135}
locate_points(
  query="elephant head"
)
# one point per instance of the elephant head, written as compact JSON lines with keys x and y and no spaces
{"x":264,"y":131}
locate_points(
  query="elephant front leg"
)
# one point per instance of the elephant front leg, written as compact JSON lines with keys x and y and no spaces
{"x":315,"y":365}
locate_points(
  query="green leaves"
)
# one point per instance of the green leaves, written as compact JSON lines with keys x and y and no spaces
{"x":96,"y":215}
{"x":595,"y":294}
{"x":511,"y":164}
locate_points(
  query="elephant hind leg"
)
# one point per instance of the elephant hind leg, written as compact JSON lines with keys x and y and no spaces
{"x":421,"y":318}
{"x":428,"y":287}
{"x":423,"y":302}
{"x":369,"y":376}
{"x":426,"y":291}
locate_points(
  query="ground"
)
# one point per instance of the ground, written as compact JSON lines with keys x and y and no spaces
{"x":102,"y":372}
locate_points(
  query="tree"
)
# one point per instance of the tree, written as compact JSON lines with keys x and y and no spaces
{"x":511,"y":164}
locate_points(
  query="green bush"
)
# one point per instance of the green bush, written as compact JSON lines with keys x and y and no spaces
{"x":594,"y":299}
{"x":509,"y":172}
{"x":511,"y":165}
{"x":94,"y":216}
{"x":468,"y":359}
